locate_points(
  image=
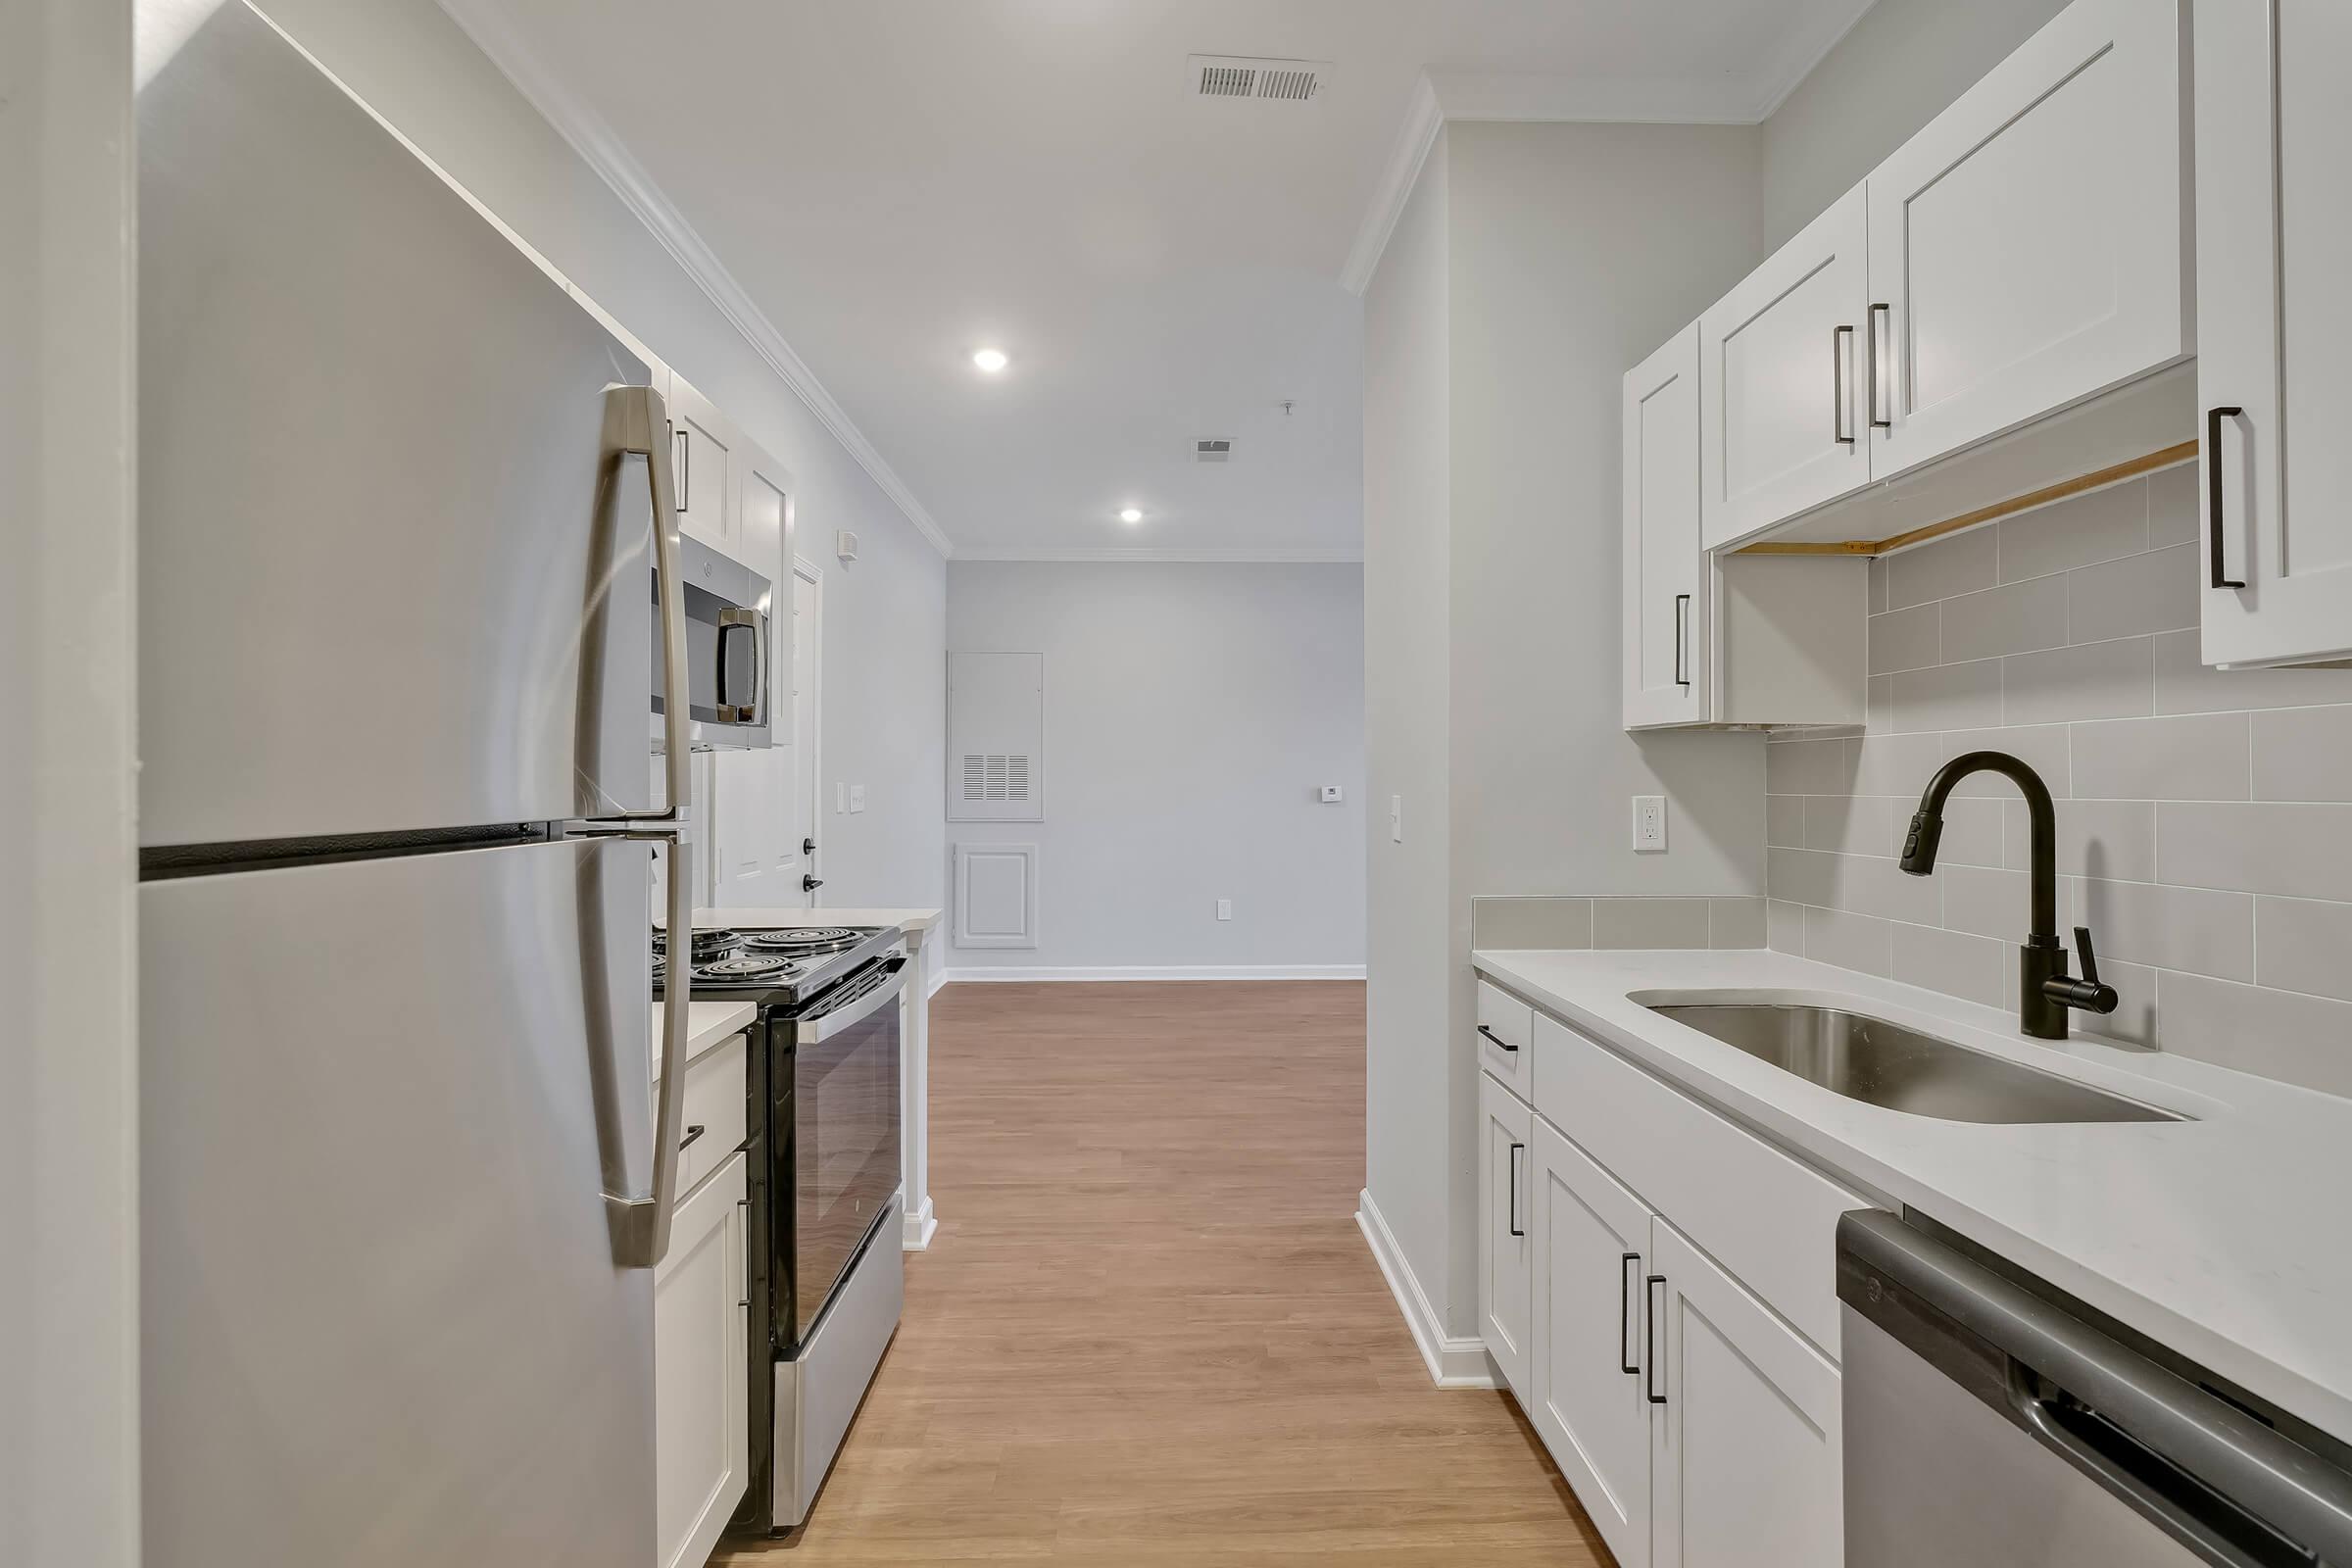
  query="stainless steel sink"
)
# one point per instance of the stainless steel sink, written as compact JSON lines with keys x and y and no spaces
{"x":1881,"y":1063}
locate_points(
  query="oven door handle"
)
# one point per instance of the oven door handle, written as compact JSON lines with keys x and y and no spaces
{"x":825,"y":1025}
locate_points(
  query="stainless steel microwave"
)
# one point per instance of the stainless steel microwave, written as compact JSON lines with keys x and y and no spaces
{"x":729,"y":677}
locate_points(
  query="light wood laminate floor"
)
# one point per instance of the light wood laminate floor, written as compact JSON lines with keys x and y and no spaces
{"x":1149,"y":1331}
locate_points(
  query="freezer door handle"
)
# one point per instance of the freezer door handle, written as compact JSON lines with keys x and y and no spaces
{"x":637,"y":426}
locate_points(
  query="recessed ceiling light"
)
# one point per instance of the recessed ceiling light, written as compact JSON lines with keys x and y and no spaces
{"x":1131,"y":515}
{"x":990,"y":359}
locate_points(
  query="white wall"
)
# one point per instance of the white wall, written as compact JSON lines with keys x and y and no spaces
{"x":1899,"y":67}
{"x":1534,"y":263}
{"x":1190,"y":713}
{"x":1410,"y":1173}
{"x":884,"y":616}
{"x":68,"y":1050}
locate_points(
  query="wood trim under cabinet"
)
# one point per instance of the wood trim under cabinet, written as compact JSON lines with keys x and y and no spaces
{"x":2131,"y":468}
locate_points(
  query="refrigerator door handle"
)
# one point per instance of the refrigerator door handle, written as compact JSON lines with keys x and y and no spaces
{"x":640,"y":1224}
{"x":636,"y":424}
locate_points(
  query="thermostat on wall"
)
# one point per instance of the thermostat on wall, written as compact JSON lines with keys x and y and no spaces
{"x":844,"y":545}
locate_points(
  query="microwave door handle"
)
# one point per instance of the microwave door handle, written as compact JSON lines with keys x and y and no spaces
{"x":636,"y":424}
{"x":735,"y":619}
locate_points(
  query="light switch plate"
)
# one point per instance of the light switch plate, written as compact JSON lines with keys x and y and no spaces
{"x":1397,"y":818}
{"x":1649,"y":824}
{"x":841,"y":800}
{"x":856,"y":799}
{"x":1224,"y":908}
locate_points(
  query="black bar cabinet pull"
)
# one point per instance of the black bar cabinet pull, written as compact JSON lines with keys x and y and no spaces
{"x":692,"y":1133}
{"x":1841,"y":350}
{"x":1650,"y":1339}
{"x":1628,"y":1264}
{"x":1499,"y":1043}
{"x":1682,"y":607}
{"x":1877,"y":314}
{"x":1516,"y":1150}
{"x":2213,"y":490}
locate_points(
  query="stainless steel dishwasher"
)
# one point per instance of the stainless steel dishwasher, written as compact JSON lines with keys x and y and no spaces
{"x":1989,"y":1419}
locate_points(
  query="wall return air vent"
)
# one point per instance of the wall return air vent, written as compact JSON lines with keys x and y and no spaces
{"x":1213,"y":449}
{"x":1237,"y":77}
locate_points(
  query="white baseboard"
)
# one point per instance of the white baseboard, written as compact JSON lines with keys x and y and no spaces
{"x":1168,"y":971}
{"x":920,"y":1226}
{"x":1453,"y":1363}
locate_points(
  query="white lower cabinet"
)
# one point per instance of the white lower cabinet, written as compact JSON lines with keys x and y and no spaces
{"x":1693,"y":1420}
{"x":1746,"y":1466}
{"x":701,"y":1438}
{"x":1505,"y":1247}
{"x":1591,"y":1251}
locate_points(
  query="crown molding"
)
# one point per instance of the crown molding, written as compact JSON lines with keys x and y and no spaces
{"x":596,"y":142}
{"x":1441,"y":96}
{"x":1423,"y":120}
{"x":1336,"y":556}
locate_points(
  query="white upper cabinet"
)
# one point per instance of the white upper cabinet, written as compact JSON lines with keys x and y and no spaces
{"x":1781,"y":354}
{"x":2274,"y":129}
{"x":702,"y":456}
{"x":2027,"y":247}
{"x":1665,"y":562}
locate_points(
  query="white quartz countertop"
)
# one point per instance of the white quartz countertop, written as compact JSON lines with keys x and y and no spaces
{"x":910,"y":921}
{"x":706,"y":1024}
{"x":2227,"y":1237}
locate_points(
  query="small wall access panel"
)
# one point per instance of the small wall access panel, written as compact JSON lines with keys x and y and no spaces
{"x":996,"y":894}
{"x":995,"y":737}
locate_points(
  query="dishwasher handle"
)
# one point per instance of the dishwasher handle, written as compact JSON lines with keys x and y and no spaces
{"x":2213,"y":1476}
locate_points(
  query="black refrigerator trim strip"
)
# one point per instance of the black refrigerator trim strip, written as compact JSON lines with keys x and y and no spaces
{"x":164,"y":864}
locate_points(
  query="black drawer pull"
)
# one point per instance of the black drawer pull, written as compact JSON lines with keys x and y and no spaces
{"x":1501,"y":1043}
{"x":1628,"y":1265}
{"x":1650,"y":1339}
{"x":2213,"y":490}
{"x":694,"y":1131}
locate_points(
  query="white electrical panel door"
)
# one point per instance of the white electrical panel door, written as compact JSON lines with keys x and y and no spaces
{"x":995,"y":737}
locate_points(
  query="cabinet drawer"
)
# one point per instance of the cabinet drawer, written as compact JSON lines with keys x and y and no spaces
{"x":1506,"y":1028}
{"x":715,"y":1088}
{"x":1766,"y":1216}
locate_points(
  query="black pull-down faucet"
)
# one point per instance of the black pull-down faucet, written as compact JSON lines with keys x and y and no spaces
{"x":2044,"y":988}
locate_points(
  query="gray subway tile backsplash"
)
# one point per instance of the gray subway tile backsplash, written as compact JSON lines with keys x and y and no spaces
{"x":2204,"y":817}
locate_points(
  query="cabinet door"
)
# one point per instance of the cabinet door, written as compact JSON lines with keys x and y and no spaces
{"x":1746,"y":1456}
{"x":1665,"y":560}
{"x":1504,"y":1244}
{"x":2274,"y":328}
{"x":2027,"y":247}
{"x":703,"y":457}
{"x":1590,"y":1239}
{"x":702,"y":1438}
{"x":1781,"y":358}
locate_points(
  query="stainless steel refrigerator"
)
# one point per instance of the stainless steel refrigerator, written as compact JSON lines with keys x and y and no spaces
{"x":403,"y":506}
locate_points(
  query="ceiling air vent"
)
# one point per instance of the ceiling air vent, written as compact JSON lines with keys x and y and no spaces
{"x":1282,"y":81}
{"x":1218,"y":450}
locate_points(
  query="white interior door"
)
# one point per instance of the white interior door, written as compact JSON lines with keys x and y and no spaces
{"x":1505,"y":1232}
{"x":1746,"y":1453}
{"x":1665,"y":561}
{"x":2026,"y":247}
{"x":807,"y":623}
{"x":2275,"y":324}
{"x":1779,"y":358}
{"x":1592,"y":1238}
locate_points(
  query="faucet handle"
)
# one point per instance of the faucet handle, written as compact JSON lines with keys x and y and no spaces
{"x":2090,"y":954}
{"x":2087,"y":994}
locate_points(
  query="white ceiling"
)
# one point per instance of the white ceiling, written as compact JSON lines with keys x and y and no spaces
{"x":894,"y":184}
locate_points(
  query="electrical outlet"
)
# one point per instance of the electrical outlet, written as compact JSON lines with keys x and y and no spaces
{"x":856,"y":799}
{"x":1397,"y":818}
{"x":1224,"y":908}
{"x":1649,"y":824}
{"x":1332,"y":795}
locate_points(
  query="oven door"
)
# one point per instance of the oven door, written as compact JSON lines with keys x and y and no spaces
{"x":729,"y":679}
{"x":845,"y":1118}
